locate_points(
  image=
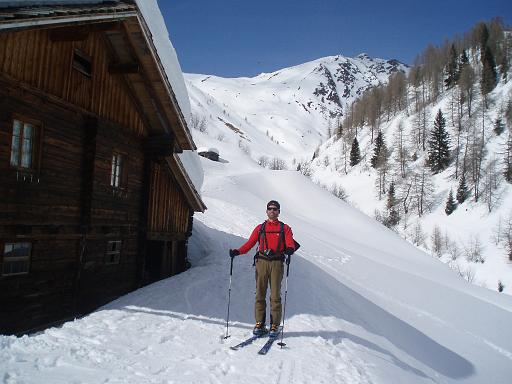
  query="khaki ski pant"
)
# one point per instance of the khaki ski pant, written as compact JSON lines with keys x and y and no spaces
{"x":268,"y":271}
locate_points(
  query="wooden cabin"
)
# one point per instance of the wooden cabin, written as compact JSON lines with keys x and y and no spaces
{"x":94,"y":200}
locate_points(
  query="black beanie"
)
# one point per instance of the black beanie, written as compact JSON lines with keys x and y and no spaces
{"x":274,"y":204}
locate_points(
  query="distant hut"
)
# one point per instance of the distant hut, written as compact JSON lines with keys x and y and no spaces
{"x":94,"y":201}
{"x":209,"y":153}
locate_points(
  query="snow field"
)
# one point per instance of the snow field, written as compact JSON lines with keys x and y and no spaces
{"x":363,"y":306}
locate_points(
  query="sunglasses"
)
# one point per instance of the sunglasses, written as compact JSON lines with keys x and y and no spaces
{"x":273,"y":209}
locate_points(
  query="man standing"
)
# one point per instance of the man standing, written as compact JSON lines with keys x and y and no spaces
{"x":275,"y":245}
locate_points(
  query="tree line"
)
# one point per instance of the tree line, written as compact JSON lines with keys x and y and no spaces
{"x":453,"y":135}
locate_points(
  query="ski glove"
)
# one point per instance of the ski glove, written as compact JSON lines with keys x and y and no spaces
{"x":289,"y":251}
{"x":234,"y":252}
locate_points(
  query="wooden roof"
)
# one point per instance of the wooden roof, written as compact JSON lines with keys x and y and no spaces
{"x":137,"y":57}
{"x":134,"y":56}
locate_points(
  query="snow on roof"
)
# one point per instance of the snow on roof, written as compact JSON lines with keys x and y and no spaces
{"x":156,"y":24}
{"x":167,"y":53}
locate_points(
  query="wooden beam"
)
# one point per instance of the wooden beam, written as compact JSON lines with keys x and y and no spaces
{"x":81,"y":32}
{"x":69,"y":34}
{"x":160,"y":145}
{"x":124,"y":69}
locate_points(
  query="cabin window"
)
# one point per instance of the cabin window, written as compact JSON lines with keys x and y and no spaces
{"x":116,"y":174}
{"x":82,"y":62}
{"x":16,"y":259}
{"x":113,"y":253}
{"x":24,"y":144}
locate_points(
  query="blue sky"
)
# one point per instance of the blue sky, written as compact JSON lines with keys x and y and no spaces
{"x":232,"y":38}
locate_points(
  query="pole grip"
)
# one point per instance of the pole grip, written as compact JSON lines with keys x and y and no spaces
{"x":231,"y":269}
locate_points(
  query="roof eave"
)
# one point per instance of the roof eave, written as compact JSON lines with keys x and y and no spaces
{"x":188,"y":188}
{"x":185,"y":141}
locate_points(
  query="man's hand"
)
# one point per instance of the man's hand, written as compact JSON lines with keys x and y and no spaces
{"x":234,"y":252}
{"x":289,"y":251}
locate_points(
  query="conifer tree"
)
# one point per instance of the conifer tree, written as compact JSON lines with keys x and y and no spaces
{"x":450,"y":204}
{"x":504,"y":62}
{"x":481,"y":34}
{"x":391,"y":202}
{"x":393,"y":216}
{"x":489,"y":75}
{"x":462,"y":189}
{"x":355,"y":153}
{"x":452,"y":70}
{"x":339,"y":131}
{"x":464,"y":60}
{"x":379,"y":152}
{"x":439,"y":145}
{"x":507,"y":172}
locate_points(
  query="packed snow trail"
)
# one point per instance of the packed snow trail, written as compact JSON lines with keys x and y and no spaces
{"x":363,"y":307}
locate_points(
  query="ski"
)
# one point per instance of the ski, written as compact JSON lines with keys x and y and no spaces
{"x":266,"y":347}
{"x":246,"y":342}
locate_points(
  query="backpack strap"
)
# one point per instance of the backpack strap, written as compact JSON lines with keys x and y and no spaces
{"x":281,"y":236}
{"x":263,"y":234}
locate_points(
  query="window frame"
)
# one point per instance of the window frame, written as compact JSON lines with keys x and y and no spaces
{"x":78,"y":65}
{"x":27,"y":258}
{"x":36,"y":145}
{"x":116,"y":252}
{"x":121,"y":177}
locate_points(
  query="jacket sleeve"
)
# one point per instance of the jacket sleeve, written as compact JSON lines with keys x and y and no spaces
{"x":288,"y":237}
{"x":251,"y":242}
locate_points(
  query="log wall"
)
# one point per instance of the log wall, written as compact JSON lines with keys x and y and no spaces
{"x":31,"y":57}
{"x":168,"y":209}
{"x":66,"y":206}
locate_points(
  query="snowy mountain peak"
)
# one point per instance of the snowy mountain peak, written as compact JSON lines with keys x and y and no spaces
{"x":286,"y":113}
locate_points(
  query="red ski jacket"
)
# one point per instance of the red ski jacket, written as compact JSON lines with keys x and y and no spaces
{"x":272,"y":229}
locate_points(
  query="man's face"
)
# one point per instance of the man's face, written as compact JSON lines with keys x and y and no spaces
{"x":272,"y":212}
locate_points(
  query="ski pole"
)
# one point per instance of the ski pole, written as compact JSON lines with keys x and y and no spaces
{"x":281,"y":344}
{"x":229,"y":297}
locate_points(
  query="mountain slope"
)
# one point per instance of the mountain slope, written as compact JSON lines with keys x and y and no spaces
{"x":281,"y":119}
{"x":284,"y":114}
{"x":475,"y":226}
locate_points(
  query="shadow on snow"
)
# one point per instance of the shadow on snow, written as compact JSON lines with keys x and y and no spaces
{"x":201,"y":294}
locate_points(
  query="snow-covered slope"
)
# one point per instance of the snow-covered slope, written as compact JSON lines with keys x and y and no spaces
{"x":285,"y":114}
{"x":279,"y":119}
{"x":363,"y":306}
{"x":473,"y":225}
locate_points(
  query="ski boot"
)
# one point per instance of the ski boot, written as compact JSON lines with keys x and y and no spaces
{"x":274,"y":331}
{"x":259,"y":329}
